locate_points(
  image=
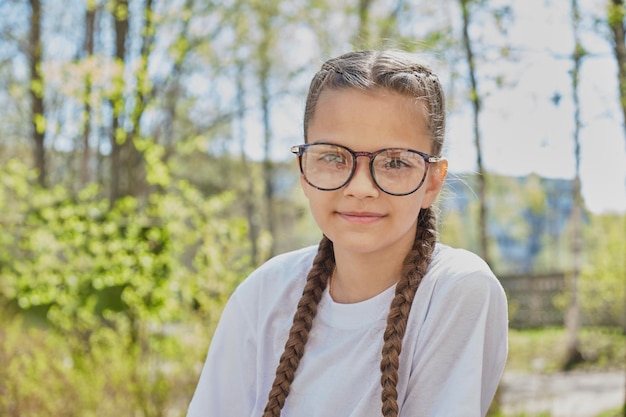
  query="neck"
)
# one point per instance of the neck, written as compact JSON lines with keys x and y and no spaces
{"x":359,"y":277}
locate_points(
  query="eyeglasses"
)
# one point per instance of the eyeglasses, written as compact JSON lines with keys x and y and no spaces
{"x":396,"y":171}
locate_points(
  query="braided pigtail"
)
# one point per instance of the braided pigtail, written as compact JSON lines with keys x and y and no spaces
{"x":316,"y":282}
{"x":415,"y":265}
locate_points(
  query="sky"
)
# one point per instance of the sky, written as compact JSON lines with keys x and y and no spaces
{"x":523,"y":131}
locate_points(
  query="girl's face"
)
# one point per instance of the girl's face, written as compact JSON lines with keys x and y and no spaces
{"x":359,"y":217}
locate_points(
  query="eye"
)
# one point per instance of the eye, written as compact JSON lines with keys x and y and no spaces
{"x":396,"y":163}
{"x":332,"y":158}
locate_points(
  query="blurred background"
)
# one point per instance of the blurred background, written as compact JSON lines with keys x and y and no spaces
{"x":145,"y":171}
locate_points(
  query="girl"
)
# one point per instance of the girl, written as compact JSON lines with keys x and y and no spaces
{"x":379,"y":318}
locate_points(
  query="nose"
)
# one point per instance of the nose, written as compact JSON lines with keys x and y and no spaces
{"x":361,"y":185}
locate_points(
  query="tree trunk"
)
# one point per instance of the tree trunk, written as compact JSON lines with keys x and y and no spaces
{"x":120,"y":13}
{"x":266,"y":14}
{"x":248,"y":192}
{"x":90,"y":24}
{"x":143,"y":94}
{"x":390,"y":25}
{"x":268,"y":165}
{"x":363,"y":35}
{"x":617,"y":23}
{"x":572,"y":318}
{"x":38,"y":120}
{"x":127,"y":166}
{"x":475,"y":99}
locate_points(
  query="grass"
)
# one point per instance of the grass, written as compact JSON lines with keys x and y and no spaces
{"x":543,"y":350}
{"x":618,"y":412}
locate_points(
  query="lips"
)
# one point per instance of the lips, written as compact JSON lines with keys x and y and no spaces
{"x":361,"y":217}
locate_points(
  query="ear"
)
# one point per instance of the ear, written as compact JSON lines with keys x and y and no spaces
{"x":434,"y":181}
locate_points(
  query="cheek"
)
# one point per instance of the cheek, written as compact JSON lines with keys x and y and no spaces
{"x":411,"y":207}
{"x":305,"y":186}
{"x":320,"y":210}
{"x":318,"y":200}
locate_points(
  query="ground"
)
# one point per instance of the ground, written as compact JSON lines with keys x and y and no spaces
{"x":572,"y":394}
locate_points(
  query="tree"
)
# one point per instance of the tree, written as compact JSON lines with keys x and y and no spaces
{"x":374,"y":31}
{"x":88,"y":50}
{"x":107,"y":287}
{"x":117,"y":137}
{"x":266,"y":14}
{"x":572,"y":317}
{"x":261,"y":41}
{"x":616,"y":18}
{"x":127,"y":165}
{"x":476,"y":107}
{"x":363,"y":32}
{"x":37,"y":86}
{"x":249,"y":191}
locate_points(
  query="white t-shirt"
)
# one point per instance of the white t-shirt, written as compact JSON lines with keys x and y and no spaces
{"x":452,"y":357}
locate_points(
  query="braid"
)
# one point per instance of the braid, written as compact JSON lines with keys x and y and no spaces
{"x":415,"y":265}
{"x":316,"y":282}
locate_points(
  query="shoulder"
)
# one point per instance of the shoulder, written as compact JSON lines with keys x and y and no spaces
{"x":279,"y":276}
{"x":285,"y":265}
{"x":456,"y":260}
{"x":459,"y":268}
{"x":459,"y":289}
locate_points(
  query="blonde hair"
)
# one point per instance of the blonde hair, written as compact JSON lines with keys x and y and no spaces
{"x":365,"y":70}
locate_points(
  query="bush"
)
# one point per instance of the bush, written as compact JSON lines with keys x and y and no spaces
{"x":108,"y":310}
{"x":602,"y":283}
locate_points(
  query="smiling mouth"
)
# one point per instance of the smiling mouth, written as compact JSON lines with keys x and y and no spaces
{"x":361,"y":218}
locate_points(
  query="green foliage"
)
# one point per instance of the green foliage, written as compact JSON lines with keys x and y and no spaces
{"x":542,"y":350}
{"x":454,"y":230}
{"x":615,"y":14}
{"x":43,"y":376}
{"x":614,"y":413}
{"x":115,"y":289}
{"x":127,"y":295}
{"x":458,"y":227}
{"x":523,"y":414}
{"x":603,"y":283}
{"x":509,"y":199}
{"x":601,"y":287}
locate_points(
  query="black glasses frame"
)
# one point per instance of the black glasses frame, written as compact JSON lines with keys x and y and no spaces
{"x":299,"y":150}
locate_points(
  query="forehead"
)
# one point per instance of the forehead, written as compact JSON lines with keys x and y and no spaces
{"x":370,"y":120}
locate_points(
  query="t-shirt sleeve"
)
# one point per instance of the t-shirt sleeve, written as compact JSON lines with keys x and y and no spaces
{"x":227,"y":382}
{"x":462,"y":349}
{"x":249,"y":338}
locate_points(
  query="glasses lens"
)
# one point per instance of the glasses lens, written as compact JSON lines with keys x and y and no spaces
{"x":327,"y":167}
{"x":399,"y":171}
